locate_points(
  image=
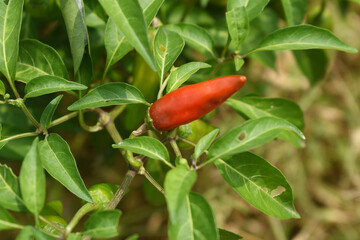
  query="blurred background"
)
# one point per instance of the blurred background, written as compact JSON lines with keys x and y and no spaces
{"x":325,"y":175}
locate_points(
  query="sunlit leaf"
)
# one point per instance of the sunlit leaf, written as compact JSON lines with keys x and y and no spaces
{"x":294,"y":11}
{"x":38,"y":59}
{"x":204,"y":143}
{"x":103,"y":224}
{"x":303,"y":37}
{"x":48,"y":113}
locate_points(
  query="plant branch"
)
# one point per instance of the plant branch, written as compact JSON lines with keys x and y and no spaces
{"x":95,"y":128}
{"x":117,"y":111}
{"x":88,"y":207}
{"x":143,"y":171}
{"x":130,"y":174}
{"x":63,"y":119}
{"x":30,"y":117}
{"x":21,"y":135}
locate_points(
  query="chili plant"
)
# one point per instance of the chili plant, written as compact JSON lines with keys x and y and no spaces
{"x":106,"y":62}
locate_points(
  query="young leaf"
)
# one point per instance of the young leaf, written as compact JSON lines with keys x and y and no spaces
{"x":129,"y":17}
{"x":75,"y":236}
{"x":147,"y":146}
{"x":10,"y":24}
{"x":49,"y":111}
{"x":73,"y":14}
{"x":204,"y":143}
{"x":38,"y":59}
{"x":2,"y":90}
{"x":103,"y":224}
{"x":40,"y":235}
{"x":239,"y":62}
{"x":251,"y":134}
{"x":49,"y":84}
{"x":302,"y":37}
{"x":10,"y":190}
{"x":195,"y":36}
{"x":108,"y":95}
{"x":226,"y":235}
{"x":177,"y":185}
{"x":203,"y":219}
{"x":32,"y":180}
{"x":167,"y":48}
{"x":59,"y":162}
{"x":150,"y":9}
{"x":7,"y":221}
{"x":183,"y":73}
{"x":294,"y":11}
{"x":238,"y":25}
{"x":259,"y":183}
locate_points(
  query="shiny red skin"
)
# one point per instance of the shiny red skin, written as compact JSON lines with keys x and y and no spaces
{"x":192,"y":102}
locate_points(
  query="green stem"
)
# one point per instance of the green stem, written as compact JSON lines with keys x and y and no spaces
{"x":52,"y":224}
{"x":31,"y":118}
{"x":143,"y":171}
{"x":130,"y":174}
{"x":97,"y":127}
{"x":21,"y":135}
{"x":173,"y":143}
{"x":162,"y":87}
{"x":63,"y":119}
{"x":187,"y":141}
{"x":117,"y":111}
{"x":88,"y":207}
{"x":223,"y":53}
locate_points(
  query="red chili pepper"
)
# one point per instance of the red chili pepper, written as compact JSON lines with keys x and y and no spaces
{"x":192,"y":102}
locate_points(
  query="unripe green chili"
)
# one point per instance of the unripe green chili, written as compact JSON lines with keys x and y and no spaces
{"x":192,"y":102}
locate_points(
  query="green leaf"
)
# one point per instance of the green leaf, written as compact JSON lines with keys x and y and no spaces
{"x":48,"y":113}
{"x":294,"y":11}
{"x":2,"y":90}
{"x":32,"y":180}
{"x":226,"y":235}
{"x":204,"y":143}
{"x":133,"y":237}
{"x":38,"y":59}
{"x":59,"y":162}
{"x":117,"y":46}
{"x":94,"y":14}
{"x":253,"y":8}
{"x":6,"y":220}
{"x":257,"y":107}
{"x":84,"y":75}
{"x":39,"y":235}
{"x":259,"y":183}
{"x":74,"y":236}
{"x":238,"y":25}
{"x":203,"y":219}
{"x":167,"y":48}
{"x":10,"y":190}
{"x":76,"y":29}
{"x":147,"y":146}
{"x":103,"y":224}
{"x":150,"y":9}
{"x":25,"y":234}
{"x":181,"y":74}
{"x":10,"y":24}
{"x":195,"y":36}
{"x":177,"y":185}
{"x":0,"y":130}
{"x":251,"y":134}
{"x":108,"y":95}
{"x":239,"y":62}
{"x":312,"y":63}
{"x":302,"y":37}
{"x":49,"y":84}
{"x":129,"y":17}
